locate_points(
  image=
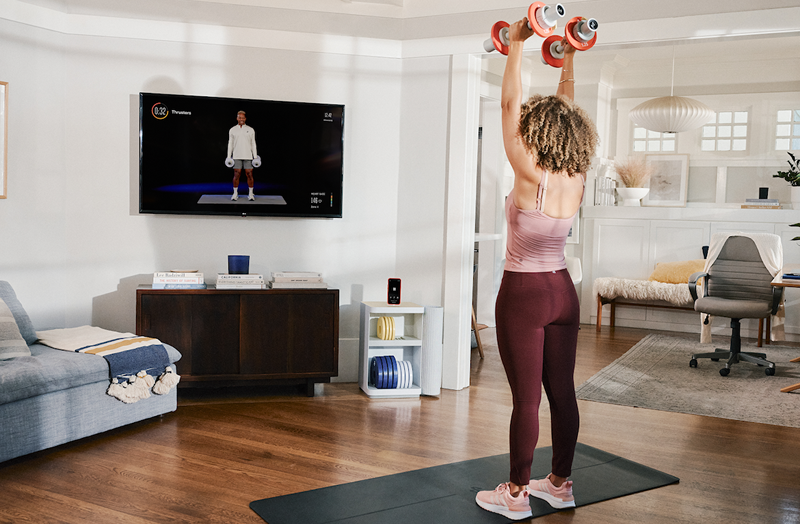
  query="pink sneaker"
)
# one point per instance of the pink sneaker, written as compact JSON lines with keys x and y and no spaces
{"x":501,"y":501}
{"x":558,"y":498}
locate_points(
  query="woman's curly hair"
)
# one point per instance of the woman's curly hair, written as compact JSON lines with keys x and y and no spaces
{"x":559,"y":134}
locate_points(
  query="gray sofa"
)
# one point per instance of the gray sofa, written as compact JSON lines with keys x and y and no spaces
{"x":52,"y":397}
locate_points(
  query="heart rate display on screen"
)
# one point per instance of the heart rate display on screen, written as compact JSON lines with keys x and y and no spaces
{"x":230,"y":156}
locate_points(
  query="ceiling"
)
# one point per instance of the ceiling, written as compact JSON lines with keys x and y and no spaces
{"x":637,"y":38}
{"x":405,"y":19}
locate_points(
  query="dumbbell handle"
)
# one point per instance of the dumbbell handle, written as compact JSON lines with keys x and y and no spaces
{"x":547,"y":16}
{"x":585,"y":29}
{"x":502,"y":35}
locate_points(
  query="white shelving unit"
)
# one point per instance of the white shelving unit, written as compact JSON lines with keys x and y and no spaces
{"x":408,"y":318}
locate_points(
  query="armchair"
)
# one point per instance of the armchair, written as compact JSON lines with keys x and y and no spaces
{"x":736,"y":284}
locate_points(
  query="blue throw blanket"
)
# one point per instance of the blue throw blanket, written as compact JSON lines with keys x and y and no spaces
{"x":133,"y":361}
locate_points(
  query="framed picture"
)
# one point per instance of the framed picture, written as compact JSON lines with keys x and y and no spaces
{"x":669,"y":181}
{"x":3,"y":138}
{"x":573,"y":237}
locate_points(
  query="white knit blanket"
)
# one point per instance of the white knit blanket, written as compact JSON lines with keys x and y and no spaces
{"x":611,"y":287}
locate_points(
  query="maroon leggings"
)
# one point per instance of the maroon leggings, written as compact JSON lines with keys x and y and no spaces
{"x":537,"y":317}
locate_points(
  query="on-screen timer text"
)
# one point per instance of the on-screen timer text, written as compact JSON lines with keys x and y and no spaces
{"x":160,"y":111}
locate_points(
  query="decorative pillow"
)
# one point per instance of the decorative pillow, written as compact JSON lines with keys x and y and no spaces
{"x":12,"y":344}
{"x":676,"y":272}
{"x":23,"y":320}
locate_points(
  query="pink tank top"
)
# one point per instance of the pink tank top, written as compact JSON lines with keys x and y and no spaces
{"x":535,"y":240}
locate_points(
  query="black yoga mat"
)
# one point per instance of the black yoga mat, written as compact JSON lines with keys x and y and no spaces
{"x":443,"y":494}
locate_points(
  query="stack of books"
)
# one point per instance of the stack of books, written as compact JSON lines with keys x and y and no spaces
{"x":604,"y":191}
{"x":178,"y":280}
{"x":230,"y":281}
{"x":297,"y":280}
{"x":761,"y":203}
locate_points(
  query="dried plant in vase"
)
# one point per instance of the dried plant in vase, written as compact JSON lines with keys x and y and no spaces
{"x":634,"y":171}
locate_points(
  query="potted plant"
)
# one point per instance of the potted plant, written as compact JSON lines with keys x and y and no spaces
{"x":793,"y":177}
{"x":795,"y":225}
{"x":634,"y":173}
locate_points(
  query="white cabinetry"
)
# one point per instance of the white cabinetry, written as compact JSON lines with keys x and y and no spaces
{"x":407,"y":345}
{"x":629,"y":242}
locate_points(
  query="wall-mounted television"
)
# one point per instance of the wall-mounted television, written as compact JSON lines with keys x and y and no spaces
{"x":187,"y":145}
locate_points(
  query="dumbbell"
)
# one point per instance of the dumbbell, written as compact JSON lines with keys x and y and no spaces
{"x":581,"y":33}
{"x":542,"y":20}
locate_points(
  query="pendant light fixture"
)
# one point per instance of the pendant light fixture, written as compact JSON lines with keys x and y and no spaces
{"x":671,"y":114}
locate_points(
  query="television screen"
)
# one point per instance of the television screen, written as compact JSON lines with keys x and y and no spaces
{"x":285,"y":158}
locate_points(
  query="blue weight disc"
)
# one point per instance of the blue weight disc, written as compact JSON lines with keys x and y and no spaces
{"x":395,"y":373}
{"x":373,"y":372}
{"x":381,"y":383}
{"x":388,"y":382}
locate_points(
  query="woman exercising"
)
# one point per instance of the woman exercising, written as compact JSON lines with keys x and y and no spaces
{"x":549,"y":142}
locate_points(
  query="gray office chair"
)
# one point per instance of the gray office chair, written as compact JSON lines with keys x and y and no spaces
{"x":737,"y":286}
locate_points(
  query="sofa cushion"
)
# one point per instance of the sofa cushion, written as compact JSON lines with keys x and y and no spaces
{"x":48,"y":369}
{"x":23,"y":320}
{"x":12,"y":345}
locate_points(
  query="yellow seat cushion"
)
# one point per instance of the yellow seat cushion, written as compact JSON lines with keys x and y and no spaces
{"x":676,"y":272}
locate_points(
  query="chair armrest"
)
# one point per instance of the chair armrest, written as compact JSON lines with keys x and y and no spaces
{"x":777,"y":295}
{"x":693,"y":284}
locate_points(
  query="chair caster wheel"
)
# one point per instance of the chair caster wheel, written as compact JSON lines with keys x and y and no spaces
{"x":724,"y":372}
{"x":693,"y":363}
{"x":770,"y":371}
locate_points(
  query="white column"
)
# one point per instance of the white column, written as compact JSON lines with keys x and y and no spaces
{"x":459,"y":238}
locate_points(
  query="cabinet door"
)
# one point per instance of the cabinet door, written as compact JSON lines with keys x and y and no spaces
{"x":215,"y":334}
{"x":168,"y":318}
{"x":314,"y":334}
{"x":677,"y":240}
{"x":289,"y":334}
{"x":621,"y":249}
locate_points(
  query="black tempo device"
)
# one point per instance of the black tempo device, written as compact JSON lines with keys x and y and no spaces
{"x":394,"y":291}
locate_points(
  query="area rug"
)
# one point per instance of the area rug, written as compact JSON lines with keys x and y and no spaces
{"x":445,"y":494}
{"x":655,"y":374}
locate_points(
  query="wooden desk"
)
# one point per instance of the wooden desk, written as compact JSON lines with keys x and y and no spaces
{"x":779,"y":281}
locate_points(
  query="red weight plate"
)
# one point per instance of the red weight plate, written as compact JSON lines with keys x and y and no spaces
{"x":498,"y":42}
{"x":533,"y":23}
{"x":574,"y":41}
{"x":547,"y":57}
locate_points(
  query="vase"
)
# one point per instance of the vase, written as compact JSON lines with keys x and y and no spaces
{"x":795,"y":197}
{"x":631,"y":196}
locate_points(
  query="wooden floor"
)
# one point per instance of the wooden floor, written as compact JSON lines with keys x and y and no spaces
{"x":220,"y":451}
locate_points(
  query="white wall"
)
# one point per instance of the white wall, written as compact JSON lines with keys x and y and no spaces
{"x":421,"y":188}
{"x":74,"y":246}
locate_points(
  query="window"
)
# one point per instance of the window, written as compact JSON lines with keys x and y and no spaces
{"x":728,"y":132}
{"x":645,"y":140}
{"x":787,"y":132}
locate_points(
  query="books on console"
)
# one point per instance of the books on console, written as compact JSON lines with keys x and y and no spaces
{"x":761,"y":203}
{"x":297,"y":280}
{"x":231,"y":281}
{"x":178,"y":280}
